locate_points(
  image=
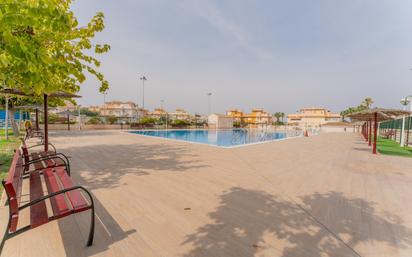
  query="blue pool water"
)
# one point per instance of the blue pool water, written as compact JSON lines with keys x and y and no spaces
{"x":223,"y":138}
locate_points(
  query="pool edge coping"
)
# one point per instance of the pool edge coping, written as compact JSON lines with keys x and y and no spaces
{"x":217,"y":146}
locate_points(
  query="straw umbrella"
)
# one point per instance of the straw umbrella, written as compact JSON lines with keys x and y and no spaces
{"x":33,"y":107}
{"x":376,"y":115}
{"x":7,"y":92}
{"x":67,"y":114}
{"x":58,"y":94}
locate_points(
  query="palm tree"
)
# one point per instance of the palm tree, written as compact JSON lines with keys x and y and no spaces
{"x":367,"y":102}
{"x":344,"y":113}
{"x":277,"y":115}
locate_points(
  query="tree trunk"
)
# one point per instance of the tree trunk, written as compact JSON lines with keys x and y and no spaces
{"x":13,"y":123}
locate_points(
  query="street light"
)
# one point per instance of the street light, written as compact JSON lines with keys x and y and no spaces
{"x":161,"y":107}
{"x":209,"y":103}
{"x":104,"y":97}
{"x":143,"y":79}
{"x":80,"y":117}
{"x":404,"y":101}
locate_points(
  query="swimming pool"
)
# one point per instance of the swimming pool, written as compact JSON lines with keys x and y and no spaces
{"x":222,"y":138}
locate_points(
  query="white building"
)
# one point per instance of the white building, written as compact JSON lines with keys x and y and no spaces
{"x":179,"y":114}
{"x":313,"y":117}
{"x":124,"y":111}
{"x":219,"y":121}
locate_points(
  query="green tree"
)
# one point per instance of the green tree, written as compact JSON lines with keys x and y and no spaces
{"x":367,"y":102}
{"x":94,"y":121}
{"x":147,"y":121}
{"x":278,"y":116}
{"x":87,"y":112}
{"x":111,"y":119}
{"x":43,"y":48}
{"x":282,"y":116}
{"x":179,"y":123}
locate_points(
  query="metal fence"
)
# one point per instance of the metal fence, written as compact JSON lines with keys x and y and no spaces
{"x":392,"y":129}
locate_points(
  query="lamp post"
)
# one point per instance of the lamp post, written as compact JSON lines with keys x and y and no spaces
{"x":405,"y":101}
{"x":143,"y":79}
{"x":68,"y":119}
{"x":209,"y":103}
{"x":80,"y":118}
{"x":161,"y":106}
{"x":104,"y":97}
{"x":6,"y":120}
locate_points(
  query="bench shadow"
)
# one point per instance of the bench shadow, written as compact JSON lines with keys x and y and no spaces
{"x":251,"y":223}
{"x":75,"y":133}
{"x":363,"y":149}
{"x":107,"y":232}
{"x":112,"y":162}
{"x":106,"y":172}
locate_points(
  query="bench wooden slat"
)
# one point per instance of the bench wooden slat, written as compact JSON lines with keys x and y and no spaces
{"x":46,"y":163}
{"x":55,"y":179}
{"x":49,"y":162}
{"x":58,"y":202}
{"x":39,"y":164}
{"x":76,"y":198}
{"x":38,"y":211}
{"x":18,"y":183}
{"x":13,"y":186}
{"x":54,"y":161}
{"x":13,"y":223}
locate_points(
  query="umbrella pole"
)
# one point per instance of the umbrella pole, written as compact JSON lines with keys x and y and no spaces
{"x":370,"y":132}
{"x":375,"y":133}
{"x":20,"y":117}
{"x":37,"y":119}
{"x":46,"y":124}
{"x":6,"y":125}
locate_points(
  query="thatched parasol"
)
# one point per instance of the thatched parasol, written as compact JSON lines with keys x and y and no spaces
{"x":67,"y":114}
{"x":375,"y":115}
{"x":57,"y":94}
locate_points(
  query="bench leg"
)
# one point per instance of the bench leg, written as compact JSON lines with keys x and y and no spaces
{"x":5,"y":237}
{"x":91,"y":232}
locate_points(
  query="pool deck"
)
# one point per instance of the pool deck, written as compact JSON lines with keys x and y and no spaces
{"x":289,"y":198}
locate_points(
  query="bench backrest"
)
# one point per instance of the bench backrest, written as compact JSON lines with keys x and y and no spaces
{"x":12,"y":184}
{"x":25,"y":153}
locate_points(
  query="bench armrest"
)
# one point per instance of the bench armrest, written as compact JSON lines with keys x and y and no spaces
{"x":60,"y":156}
{"x":43,"y":198}
{"x":50,"y":156}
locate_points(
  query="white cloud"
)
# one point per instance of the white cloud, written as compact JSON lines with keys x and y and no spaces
{"x":209,"y":12}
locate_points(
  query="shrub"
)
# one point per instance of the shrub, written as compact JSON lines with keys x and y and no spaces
{"x":52,"y":118}
{"x":179,"y":123}
{"x":147,"y":121}
{"x":87,"y":112}
{"x":111,"y":119}
{"x":278,"y":123}
{"x":94,"y":121}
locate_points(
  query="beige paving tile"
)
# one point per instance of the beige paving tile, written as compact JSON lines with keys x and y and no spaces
{"x":288,"y":198}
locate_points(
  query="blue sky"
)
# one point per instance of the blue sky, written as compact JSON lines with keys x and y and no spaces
{"x":279,"y":55}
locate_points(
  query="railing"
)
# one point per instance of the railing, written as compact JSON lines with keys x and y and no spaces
{"x":3,"y":123}
{"x":392,"y":129}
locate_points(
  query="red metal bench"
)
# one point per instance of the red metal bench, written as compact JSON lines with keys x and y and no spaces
{"x":64,"y":197}
{"x":32,"y":133}
{"x":388,"y":134}
{"x":42,"y":160}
